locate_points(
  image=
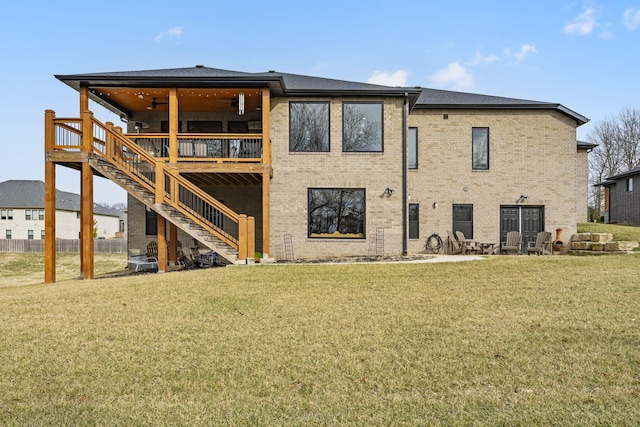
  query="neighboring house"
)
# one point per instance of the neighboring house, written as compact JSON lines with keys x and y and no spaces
{"x":22,"y":213}
{"x":622,"y":198}
{"x":288,"y":164}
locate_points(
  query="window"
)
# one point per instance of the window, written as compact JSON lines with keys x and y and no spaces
{"x":27,"y":215}
{"x":41,"y":234}
{"x":629,"y":184}
{"x":8,"y":234}
{"x":150,"y":223}
{"x":309,"y":126}
{"x":414,"y":221}
{"x":463,"y":220}
{"x":6,"y":214}
{"x":336,"y":213}
{"x":362,"y":127}
{"x":480,"y":148}
{"x":30,"y":234}
{"x":413,"y":148}
{"x":203,"y":126}
{"x":40,"y":215}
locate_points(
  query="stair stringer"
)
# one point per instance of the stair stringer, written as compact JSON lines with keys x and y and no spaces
{"x":168,"y":212}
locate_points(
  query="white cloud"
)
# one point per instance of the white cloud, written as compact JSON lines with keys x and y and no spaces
{"x":171,"y":32}
{"x":583,"y":24}
{"x":607,"y":32}
{"x":399,"y":78}
{"x":454,"y":76}
{"x":525,"y":50}
{"x":631,"y":19}
{"x":482,"y":59}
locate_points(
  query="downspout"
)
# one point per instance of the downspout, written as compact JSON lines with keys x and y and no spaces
{"x":404,"y":175}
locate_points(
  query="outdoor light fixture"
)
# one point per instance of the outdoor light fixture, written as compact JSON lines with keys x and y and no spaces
{"x":435,"y":205}
{"x":388,"y":191}
{"x":523,"y":198}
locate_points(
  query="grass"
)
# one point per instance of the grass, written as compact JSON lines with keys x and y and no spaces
{"x":504,"y":341}
{"x":620,"y":232}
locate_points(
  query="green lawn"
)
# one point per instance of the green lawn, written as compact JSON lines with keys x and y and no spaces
{"x":503,"y":341}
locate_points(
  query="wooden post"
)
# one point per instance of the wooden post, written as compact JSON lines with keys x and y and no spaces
{"x":84,"y":98}
{"x":266,"y":137}
{"x":242,"y":237}
{"x":86,"y":221}
{"x":162,"y":245}
{"x":173,"y":125}
{"x":49,"y":200}
{"x":266,"y":214}
{"x":173,"y":242}
{"x":86,"y":200}
{"x":251,"y":237}
{"x":159,"y":183}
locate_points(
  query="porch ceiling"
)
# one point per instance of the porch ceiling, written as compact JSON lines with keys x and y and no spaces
{"x":128,"y":100}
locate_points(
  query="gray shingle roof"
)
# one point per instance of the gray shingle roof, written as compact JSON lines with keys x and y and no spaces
{"x":295,"y":84}
{"x":630,"y":172}
{"x":29,"y":194}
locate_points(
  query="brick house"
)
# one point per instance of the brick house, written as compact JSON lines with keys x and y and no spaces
{"x":273,"y":162}
{"x":622,"y":198}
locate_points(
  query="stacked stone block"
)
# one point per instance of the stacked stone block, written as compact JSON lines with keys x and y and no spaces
{"x":599,"y":243}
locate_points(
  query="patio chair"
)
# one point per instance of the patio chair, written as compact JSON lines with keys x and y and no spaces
{"x":542,"y":245}
{"x":513,"y":243}
{"x":454,"y":244}
{"x":468,"y":246}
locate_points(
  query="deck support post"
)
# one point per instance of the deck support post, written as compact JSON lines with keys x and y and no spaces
{"x":86,"y":200}
{"x":162,"y":245}
{"x":49,"y":200}
{"x":266,"y":214}
{"x":173,"y":126}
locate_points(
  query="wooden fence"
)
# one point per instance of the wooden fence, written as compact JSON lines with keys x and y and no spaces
{"x":63,"y":245}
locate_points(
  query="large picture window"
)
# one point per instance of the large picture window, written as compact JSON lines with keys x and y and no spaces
{"x":309,"y":126}
{"x":362,"y":127}
{"x":480,"y":148}
{"x":463,"y":220}
{"x":336,"y":213}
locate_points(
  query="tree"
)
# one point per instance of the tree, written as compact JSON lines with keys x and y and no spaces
{"x":618,"y":150}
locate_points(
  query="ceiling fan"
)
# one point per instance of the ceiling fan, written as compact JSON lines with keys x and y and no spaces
{"x":155,"y":103}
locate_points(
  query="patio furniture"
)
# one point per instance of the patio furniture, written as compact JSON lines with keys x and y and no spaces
{"x":513,"y":243}
{"x":542,"y":245}
{"x":454,"y":245}
{"x":468,"y":246}
{"x":142,"y":263}
{"x":487,"y":248}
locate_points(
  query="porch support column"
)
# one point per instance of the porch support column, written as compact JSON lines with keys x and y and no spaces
{"x":162,"y":245}
{"x":173,"y":125}
{"x":49,"y":201}
{"x":173,"y":242}
{"x":266,"y":214}
{"x":86,"y":199}
{"x":266,"y":137}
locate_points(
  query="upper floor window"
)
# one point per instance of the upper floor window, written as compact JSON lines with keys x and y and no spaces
{"x":362,"y":127}
{"x":413,"y":148}
{"x":629,"y":184}
{"x":480,"y":148}
{"x":27,"y":215}
{"x":6,"y":214}
{"x":40,"y":215}
{"x":309,"y":126}
{"x":336,"y":213}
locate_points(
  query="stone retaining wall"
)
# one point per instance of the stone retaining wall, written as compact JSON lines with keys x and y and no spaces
{"x":599,"y":244}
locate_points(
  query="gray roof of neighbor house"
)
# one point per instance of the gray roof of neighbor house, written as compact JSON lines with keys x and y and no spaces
{"x":586,"y":145}
{"x":281,"y":84}
{"x":29,"y":194}
{"x":627,"y":174}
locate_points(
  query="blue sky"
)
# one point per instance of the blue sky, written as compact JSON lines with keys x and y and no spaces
{"x":582,"y":54}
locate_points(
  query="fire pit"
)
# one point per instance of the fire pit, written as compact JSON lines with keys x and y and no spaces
{"x":558,"y":244}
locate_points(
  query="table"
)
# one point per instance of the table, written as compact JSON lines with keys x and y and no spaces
{"x":487,"y":248}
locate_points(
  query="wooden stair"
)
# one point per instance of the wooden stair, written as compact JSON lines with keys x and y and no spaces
{"x":170,"y":213}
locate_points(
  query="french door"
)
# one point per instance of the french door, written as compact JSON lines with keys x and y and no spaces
{"x":528,"y":220}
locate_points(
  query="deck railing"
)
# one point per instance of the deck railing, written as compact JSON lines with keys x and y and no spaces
{"x":136,"y":161}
